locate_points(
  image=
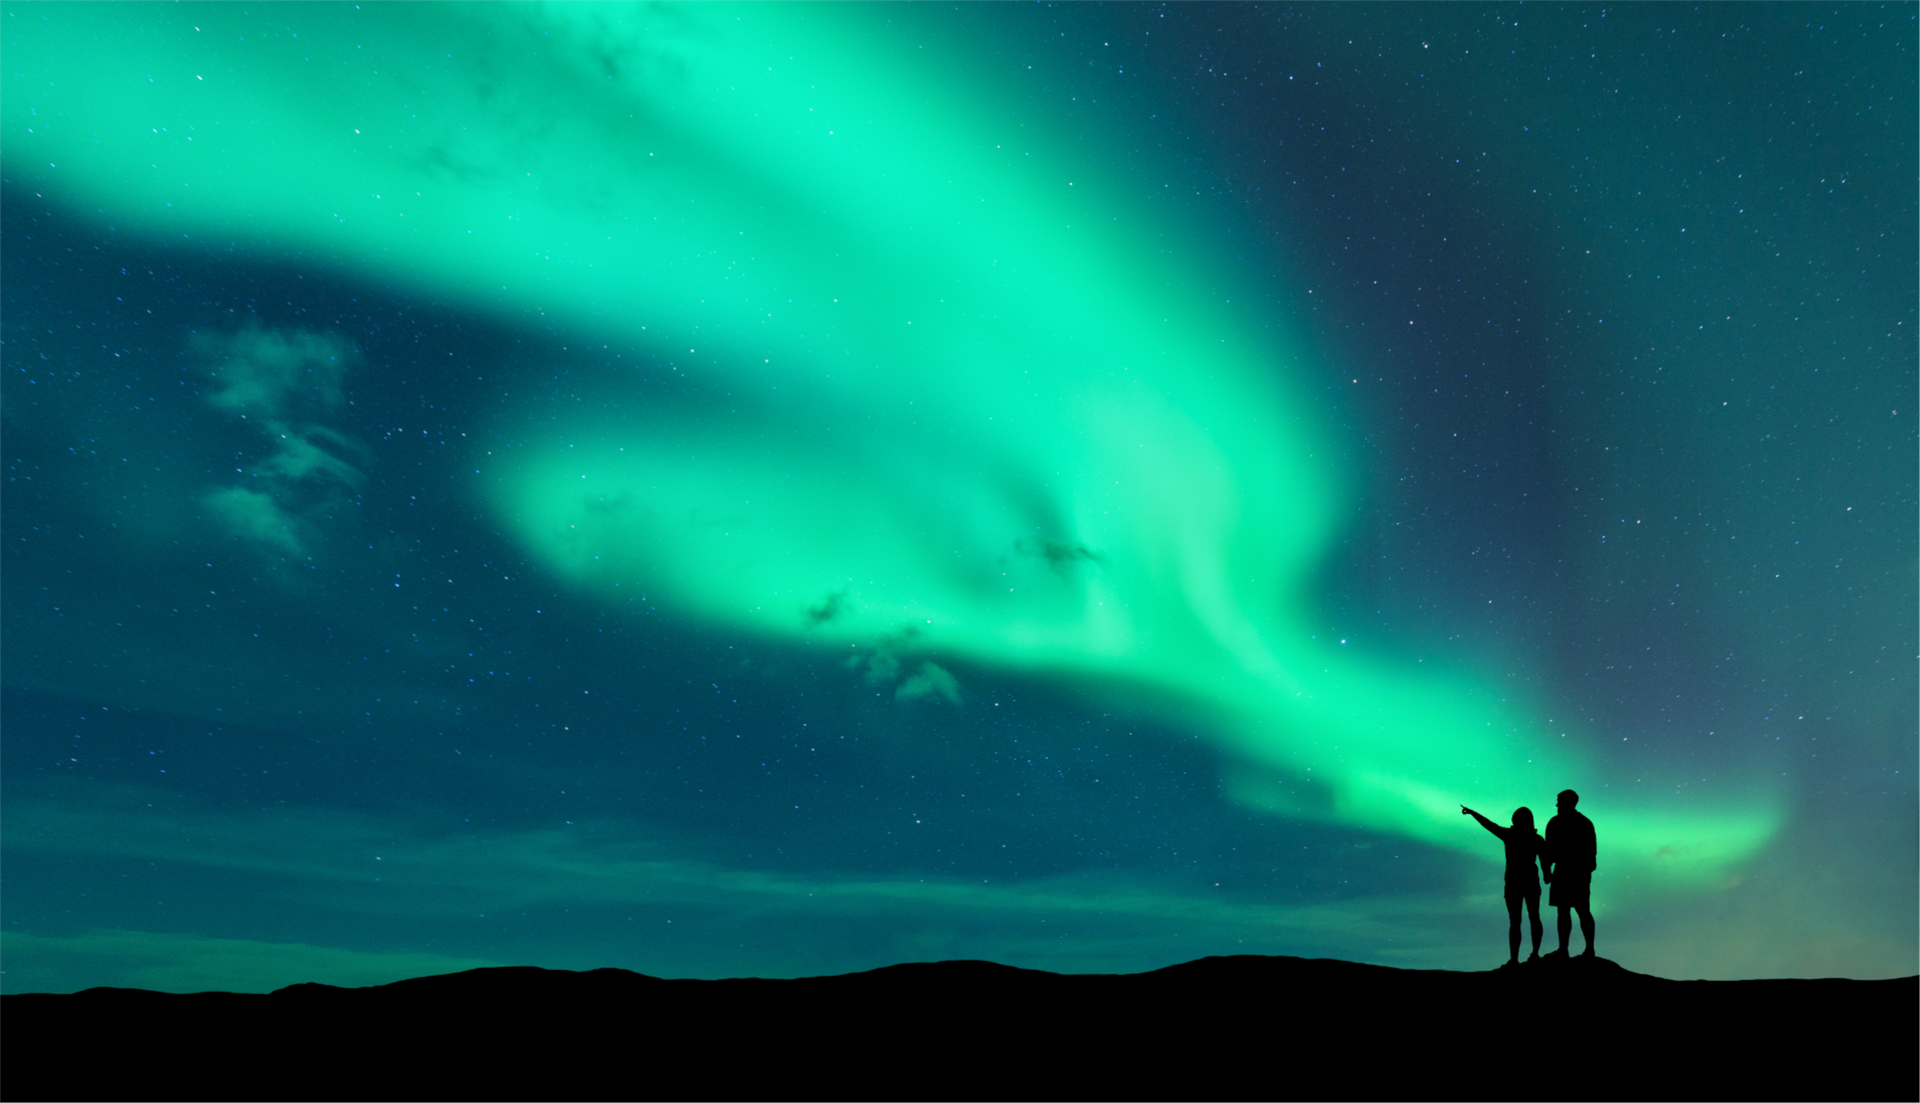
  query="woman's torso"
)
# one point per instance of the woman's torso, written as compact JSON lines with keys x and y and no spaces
{"x":1523,"y":848}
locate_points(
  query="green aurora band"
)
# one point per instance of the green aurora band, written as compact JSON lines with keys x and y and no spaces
{"x":959,"y":399}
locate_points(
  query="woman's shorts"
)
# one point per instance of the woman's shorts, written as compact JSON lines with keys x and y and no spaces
{"x":1529,"y":893}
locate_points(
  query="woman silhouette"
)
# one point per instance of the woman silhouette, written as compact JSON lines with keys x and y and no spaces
{"x":1524,"y":846}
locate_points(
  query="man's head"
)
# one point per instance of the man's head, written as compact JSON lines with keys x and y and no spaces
{"x":1567,"y":799}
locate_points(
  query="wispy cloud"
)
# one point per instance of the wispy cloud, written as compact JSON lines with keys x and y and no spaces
{"x":285,"y":385}
{"x":931,"y":680}
{"x":373,"y":871}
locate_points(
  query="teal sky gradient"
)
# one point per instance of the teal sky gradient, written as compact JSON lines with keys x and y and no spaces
{"x":830,"y":348}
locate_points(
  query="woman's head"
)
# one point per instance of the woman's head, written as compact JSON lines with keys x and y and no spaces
{"x":1523,"y":818}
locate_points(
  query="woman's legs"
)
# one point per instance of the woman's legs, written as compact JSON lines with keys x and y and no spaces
{"x":1533,"y":913}
{"x":1513,"y":927}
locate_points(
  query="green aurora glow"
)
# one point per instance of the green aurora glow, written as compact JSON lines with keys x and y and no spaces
{"x":970,"y":405}
{"x":955,"y":398}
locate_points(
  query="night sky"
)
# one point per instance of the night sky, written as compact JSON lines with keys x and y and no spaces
{"x":740,"y":490}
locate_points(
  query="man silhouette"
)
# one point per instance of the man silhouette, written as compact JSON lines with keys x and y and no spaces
{"x":1568,"y":864}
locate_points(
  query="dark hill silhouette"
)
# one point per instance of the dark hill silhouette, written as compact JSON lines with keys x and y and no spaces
{"x":985,"y":977}
{"x":968,"y":1019}
{"x":525,"y":986}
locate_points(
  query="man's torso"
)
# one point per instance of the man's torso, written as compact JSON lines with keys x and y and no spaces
{"x":1570,"y":844}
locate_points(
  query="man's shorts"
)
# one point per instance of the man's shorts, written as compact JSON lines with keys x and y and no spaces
{"x":1571,"y":890}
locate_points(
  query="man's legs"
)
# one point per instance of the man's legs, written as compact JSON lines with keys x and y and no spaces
{"x":1566,"y":927}
{"x":1586,"y":928}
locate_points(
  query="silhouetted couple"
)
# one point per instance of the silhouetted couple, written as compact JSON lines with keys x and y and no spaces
{"x":1565,"y":856}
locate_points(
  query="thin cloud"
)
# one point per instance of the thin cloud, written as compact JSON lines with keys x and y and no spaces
{"x":285,"y":385}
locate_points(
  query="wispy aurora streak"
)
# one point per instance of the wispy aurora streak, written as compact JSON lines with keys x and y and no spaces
{"x":958,"y":393}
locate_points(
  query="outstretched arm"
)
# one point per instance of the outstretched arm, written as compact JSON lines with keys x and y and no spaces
{"x":1498,"y":831}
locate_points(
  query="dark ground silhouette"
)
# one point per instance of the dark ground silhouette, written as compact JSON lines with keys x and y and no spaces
{"x":1283,"y":979}
{"x":1268,"y":1017}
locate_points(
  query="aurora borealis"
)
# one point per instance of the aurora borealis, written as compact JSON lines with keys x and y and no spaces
{"x":718,"y":490}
